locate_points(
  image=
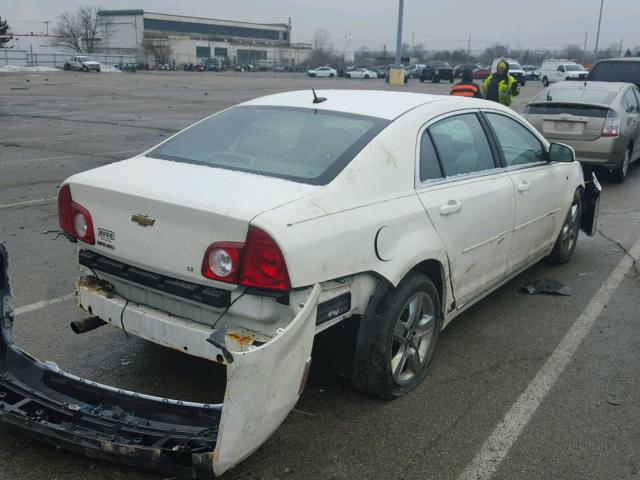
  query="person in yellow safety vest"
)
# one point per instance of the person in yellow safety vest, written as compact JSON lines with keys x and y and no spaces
{"x":500,"y":86}
{"x":467,"y":87}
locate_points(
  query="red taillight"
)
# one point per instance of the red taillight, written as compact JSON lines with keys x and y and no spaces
{"x":75,"y":220}
{"x":256,"y":263}
{"x":263,"y":264}
{"x":611,"y":125}
{"x":222,"y":261}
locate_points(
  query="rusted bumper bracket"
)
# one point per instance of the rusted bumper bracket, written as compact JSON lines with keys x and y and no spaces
{"x":44,"y":402}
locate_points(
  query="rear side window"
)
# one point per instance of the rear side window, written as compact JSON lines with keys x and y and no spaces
{"x":462,"y":145}
{"x":429,"y":166}
{"x":616,"y":72}
{"x":519,"y":146}
{"x":299,"y":144}
{"x":629,"y":102}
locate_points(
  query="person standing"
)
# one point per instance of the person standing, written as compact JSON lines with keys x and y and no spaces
{"x":500,"y":86}
{"x":466,"y":87}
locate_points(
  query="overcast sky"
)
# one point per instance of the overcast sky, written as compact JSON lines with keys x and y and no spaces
{"x":354,"y":23}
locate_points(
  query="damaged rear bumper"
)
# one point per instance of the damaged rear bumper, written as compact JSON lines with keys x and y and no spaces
{"x":184,"y":439}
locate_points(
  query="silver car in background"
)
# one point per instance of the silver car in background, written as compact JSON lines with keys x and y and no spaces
{"x":600,"y":120}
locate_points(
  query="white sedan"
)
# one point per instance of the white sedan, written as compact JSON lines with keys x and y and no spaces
{"x":323,"y":72}
{"x":361,"y":73}
{"x":240,"y":238}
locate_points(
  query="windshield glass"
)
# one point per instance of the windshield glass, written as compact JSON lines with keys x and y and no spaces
{"x":300,"y":144}
{"x":586,"y":95}
{"x":439,"y":64}
{"x":514,"y":66}
{"x":616,"y":72}
{"x":574,"y":68}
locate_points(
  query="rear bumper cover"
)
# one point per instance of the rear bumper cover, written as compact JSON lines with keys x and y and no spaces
{"x":184,"y":439}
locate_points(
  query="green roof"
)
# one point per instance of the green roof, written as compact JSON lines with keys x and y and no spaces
{"x":119,"y":13}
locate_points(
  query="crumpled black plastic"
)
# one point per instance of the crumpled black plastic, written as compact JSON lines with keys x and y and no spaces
{"x":547,"y":285}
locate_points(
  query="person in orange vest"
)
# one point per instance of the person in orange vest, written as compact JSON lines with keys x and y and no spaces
{"x":467,"y":87}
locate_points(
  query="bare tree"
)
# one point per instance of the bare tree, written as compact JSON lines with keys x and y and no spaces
{"x":81,"y":31}
{"x":321,"y":41}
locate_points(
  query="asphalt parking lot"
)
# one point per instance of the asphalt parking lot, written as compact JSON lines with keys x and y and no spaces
{"x":468,"y":420}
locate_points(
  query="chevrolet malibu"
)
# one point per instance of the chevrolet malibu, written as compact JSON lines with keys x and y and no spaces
{"x":245,"y":235}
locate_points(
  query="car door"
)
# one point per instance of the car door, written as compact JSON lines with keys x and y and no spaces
{"x":631,"y":101}
{"x":539,"y":188}
{"x":469,"y":200}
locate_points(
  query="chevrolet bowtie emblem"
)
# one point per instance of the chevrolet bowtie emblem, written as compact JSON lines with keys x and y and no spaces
{"x":143,"y":220}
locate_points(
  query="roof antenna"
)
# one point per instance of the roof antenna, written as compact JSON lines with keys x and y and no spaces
{"x":317,"y":99}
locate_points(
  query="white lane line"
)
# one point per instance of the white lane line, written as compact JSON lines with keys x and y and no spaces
{"x":28,"y":202}
{"x":495,"y":449}
{"x":42,"y":304}
{"x":73,"y":155}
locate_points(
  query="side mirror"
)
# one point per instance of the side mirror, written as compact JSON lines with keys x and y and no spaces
{"x":559,"y":152}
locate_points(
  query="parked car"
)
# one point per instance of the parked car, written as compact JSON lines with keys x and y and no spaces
{"x":415,"y":71}
{"x":82,"y":63}
{"x":323,"y":72}
{"x":531,"y":72}
{"x":240,"y":238}
{"x":361,"y":73}
{"x":600,"y":120}
{"x":515,"y":69}
{"x":481,"y":73}
{"x":436,"y":71}
{"x":616,"y":70}
{"x":561,"y":70}
{"x":457,"y":71}
{"x":382,"y":70}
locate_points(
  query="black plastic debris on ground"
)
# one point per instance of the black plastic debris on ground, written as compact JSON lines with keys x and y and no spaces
{"x":547,"y":285}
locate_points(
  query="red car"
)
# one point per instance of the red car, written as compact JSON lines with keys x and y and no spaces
{"x":481,"y":73}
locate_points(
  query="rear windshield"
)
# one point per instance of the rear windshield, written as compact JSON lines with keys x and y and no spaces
{"x":578,"y":94}
{"x":616,"y":72}
{"x":569,"y":108}
{"x":300,"y":144}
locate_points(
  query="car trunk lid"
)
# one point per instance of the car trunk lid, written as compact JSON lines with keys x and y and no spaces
{"x":162,"y":215}
{"x":568,"y":121}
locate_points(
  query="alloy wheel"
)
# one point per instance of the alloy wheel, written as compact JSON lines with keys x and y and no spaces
{"x":412,"y":336}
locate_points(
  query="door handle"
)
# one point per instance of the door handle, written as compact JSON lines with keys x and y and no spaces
{"x":452,"y":206}
{"x":523,"y":186}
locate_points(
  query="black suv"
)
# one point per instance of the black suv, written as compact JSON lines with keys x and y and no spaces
{"x":436,"y":71}
{"x":616,"y":70}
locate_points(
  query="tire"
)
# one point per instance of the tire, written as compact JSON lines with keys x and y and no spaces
{"x":402,"y":343}
{"x":331,"y":75}
{"x":435,"y":80}
{"x":568,"y":237}
{"x":523,"y":83}
{"x":98,"y":70}
{"x":620,"y":174}
{"x":450,"y":79}
{"x":66,"y":67}
{"x":367,"y":77}
{"x":85,"y":68}
{"x":421,"y":79}
{"x":545,"y":81}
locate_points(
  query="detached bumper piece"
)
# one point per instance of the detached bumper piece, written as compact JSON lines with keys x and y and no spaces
{"x":82,"y":416}
{"x":118,"y":427}
{"x":183,"y":439}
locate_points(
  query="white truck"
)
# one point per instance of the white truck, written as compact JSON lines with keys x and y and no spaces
{"x":560,"y":70}
{"x":82,"y":63}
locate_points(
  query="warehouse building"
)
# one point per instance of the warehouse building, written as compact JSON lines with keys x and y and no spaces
{"x":162,"y":38}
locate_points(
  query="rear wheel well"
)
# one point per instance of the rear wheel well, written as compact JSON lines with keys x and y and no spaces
{"x":435,"y":271}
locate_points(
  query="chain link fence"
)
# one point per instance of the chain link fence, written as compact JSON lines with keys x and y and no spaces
{"x":26,"y":58}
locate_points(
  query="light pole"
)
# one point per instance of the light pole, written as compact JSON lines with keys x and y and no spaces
{"x":399,"y":39}
{"x":595,"y":53}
